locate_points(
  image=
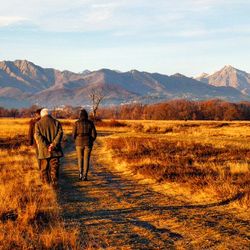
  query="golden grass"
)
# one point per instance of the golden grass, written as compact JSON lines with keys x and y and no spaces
{"x":203,"y":160}
{"x":197,"y":161}
{"x":29,"y":212}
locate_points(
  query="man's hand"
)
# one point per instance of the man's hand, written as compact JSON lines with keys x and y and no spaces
{"x":51,"y":147}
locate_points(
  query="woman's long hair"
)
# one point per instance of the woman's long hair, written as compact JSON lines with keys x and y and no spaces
{"x":83,"y":115}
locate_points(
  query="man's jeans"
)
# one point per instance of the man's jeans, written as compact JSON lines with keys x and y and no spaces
{"x":83,"y":156}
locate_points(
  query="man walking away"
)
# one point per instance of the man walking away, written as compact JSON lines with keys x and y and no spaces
{"x":48,"y":136}
{"x":84,"y":134}
{"x":31,"y":133}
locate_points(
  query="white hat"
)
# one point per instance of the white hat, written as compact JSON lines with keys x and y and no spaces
{"x":44,"y":112}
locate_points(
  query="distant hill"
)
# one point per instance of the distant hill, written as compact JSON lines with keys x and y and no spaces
{"x":23,"y":83}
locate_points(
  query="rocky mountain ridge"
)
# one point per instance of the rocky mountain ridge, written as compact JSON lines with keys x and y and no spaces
{"x":23,"y":83}
{"x":228,"y":76}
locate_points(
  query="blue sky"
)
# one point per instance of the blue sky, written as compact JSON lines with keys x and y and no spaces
{"x":186,"y":36}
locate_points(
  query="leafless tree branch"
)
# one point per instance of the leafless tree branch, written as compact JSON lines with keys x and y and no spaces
{"x":96,"y":97}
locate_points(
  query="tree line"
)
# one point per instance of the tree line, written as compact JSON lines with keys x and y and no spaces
{"x":64,"y":112}
{"x":169,"y":110}
{"x":180,"y":110}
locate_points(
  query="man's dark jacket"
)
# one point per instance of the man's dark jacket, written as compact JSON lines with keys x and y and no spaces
{"x":48,"y":131}
{"x":84,"y":133}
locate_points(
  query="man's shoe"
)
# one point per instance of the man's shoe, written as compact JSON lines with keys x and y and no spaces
{"x":85,"y":178}
{"x":80,"y":177}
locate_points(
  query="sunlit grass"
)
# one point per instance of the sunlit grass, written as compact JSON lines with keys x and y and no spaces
{"x":29,"y":211}
{"x":205,"y":159}
{"x":201,"y":162}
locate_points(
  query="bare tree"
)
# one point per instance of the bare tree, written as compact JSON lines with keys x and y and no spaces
{"x":96,"y":97}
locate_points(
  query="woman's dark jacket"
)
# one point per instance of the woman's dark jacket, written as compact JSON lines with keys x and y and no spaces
{"x":84,"y":133}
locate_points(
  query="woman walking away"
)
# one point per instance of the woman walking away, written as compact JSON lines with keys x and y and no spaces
{"x":84,"y":134}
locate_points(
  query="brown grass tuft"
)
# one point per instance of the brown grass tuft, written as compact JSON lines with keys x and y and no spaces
{"x":111,"y":123}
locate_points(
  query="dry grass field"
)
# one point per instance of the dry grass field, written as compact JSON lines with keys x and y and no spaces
{"x":29,"y":210}
{"x":155,"y":184}
{"x":203,"y":161}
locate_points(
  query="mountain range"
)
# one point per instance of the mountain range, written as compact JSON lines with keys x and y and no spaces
{"x":22,"y":83}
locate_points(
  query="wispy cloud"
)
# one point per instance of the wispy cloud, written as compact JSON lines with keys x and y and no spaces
{"x":11,"y":20}
{"x":228,"y":31}
{"x":119,"y":16}
{"x":139,"y":32}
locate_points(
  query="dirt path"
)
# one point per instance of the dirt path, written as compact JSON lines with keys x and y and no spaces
{"x":115,"y":212}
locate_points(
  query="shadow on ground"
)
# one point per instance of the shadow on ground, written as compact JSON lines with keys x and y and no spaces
{"x":115,"y":212}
